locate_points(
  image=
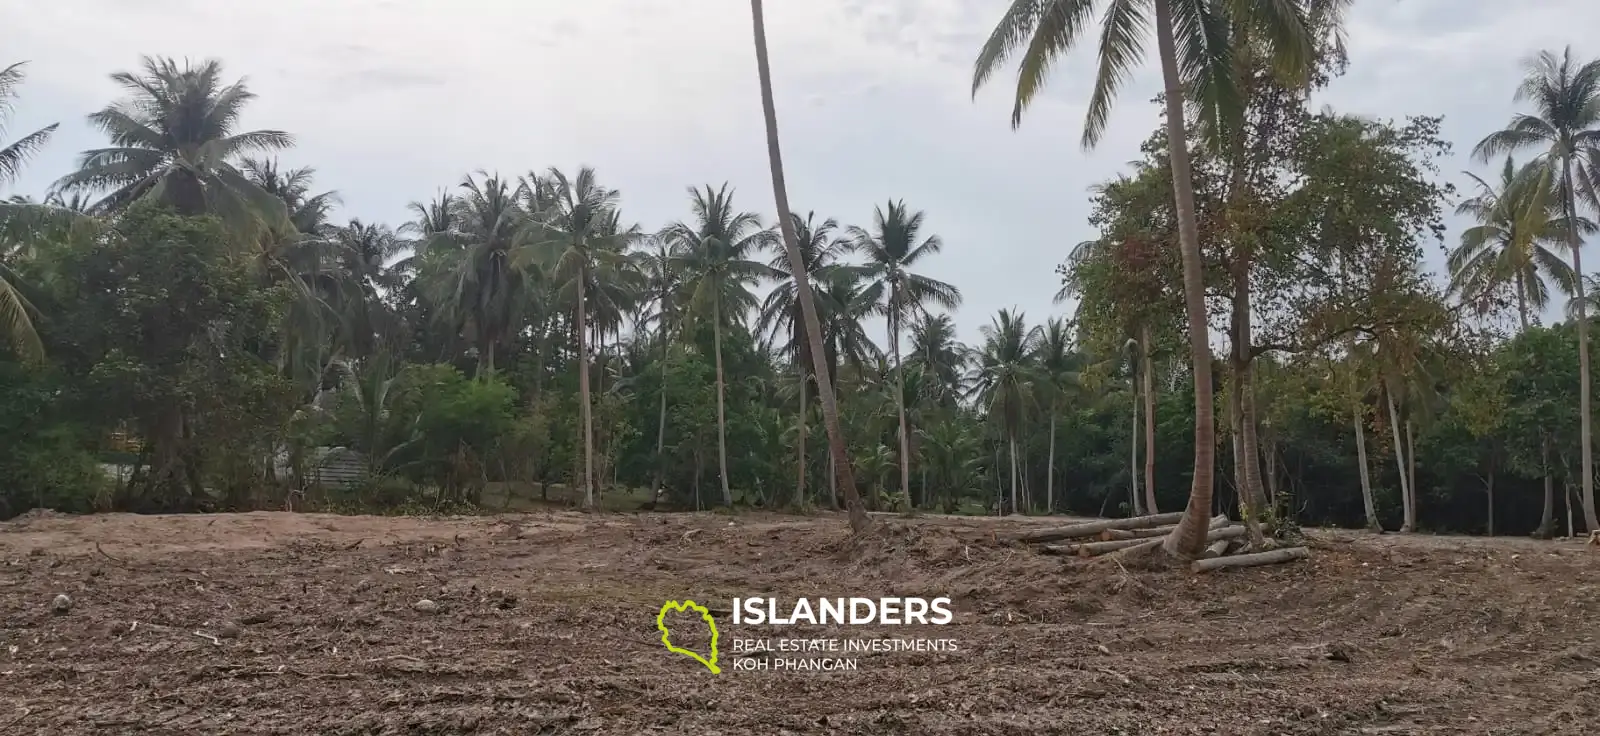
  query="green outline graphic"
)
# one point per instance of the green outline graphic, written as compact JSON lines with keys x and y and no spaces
{"x":661,"y":624}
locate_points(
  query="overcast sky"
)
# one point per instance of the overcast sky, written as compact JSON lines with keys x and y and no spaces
{"x":390,"y":100}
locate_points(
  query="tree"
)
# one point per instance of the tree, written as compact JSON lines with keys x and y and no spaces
{"x":716,"y":257}
{"x":1206,"y":70}
{"x":1566,"y":123}
{"x":14,"y":307}
{"x":1059,"y":378}
{"x":830,"y":411}
{"x":892,"y":250}
{"x":1004,"y":381}
{"x":578,"y":221}
{"x":781,"y":313}
{"x":175,"y":138}
{"x":1517,"y":220}
{"x":482,"y":291}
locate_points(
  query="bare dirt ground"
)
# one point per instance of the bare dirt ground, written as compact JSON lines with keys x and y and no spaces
{"x":300,"y":624}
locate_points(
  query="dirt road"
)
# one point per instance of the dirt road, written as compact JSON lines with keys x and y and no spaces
{"x":546,"y":623}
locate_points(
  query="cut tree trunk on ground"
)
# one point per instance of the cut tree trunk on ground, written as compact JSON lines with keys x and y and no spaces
{"x":1112,"y":535}
{"x":1090,"y":549}
{"x":1093,"y":528}
{"x":1252,"y":560}
{"x":1217,"y":548}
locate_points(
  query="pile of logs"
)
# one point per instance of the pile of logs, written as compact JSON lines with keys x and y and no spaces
{"x":1226,"y":542}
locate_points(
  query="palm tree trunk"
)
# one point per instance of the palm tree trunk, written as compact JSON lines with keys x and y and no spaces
{"x":1586,"y":440}
{"x":900,"y":401}
{"x":1411,"y":470}
{"x":722,"y":416}
{"x":1149,"y":420}
{"x":800,"y":442}
{"x":1522,"y":303}
{"x":1366,"y":477}
{"x":583,"y":390}
{"x":661,"y":418}
{"x":1050,"y":469}
{"x":1547,"y":517}
{"x":859,"y":522}
{"x":1133,"y":452}
{"x":1489,"y":489}
{"x":1189,"y":538}
{"x":1409,"y":514}
{"x":1012,"y":439}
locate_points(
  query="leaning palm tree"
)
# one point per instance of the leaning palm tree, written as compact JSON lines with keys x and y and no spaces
{"x":830,"y":409}
{"x":175,"y":137}
{"x":892,"y":250}
{"x":577,"y":219}
{"x":782,"y":317}
{"x":14,"y":307}
{"x":1566,"y":125}
{"x":1518,"y":221}
{"x":1197,"y":67}
{"x":716,"y":257}
{"x":1004,"y":380}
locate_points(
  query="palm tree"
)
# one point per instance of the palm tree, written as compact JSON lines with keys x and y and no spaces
{"x":579,"y":222}
{"x":308,"y":213}
{"x":830,"y":409}
{"x":361,"y":254}
{"x":1566,"y":124}
{"x":1057,"y":367}
{"x":175,"y":138}
{"x":662,"y":282}
{"x":482,"y":292}
{"x":1003,"y":379}
{"x":935,"y":350}
{"x":781,"y":313}
{"x":1516,"y":221}
{"x":716,"y":257}
{"x":891,"y":250}
{"x":1204,"y":77}
{"x":14,"y":307}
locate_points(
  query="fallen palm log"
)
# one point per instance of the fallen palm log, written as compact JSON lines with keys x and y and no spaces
{"x":1251,"y":560}
{"x":1092,"y":528}
{"x":1090,"y":549}
{"x":1218,"y":548}
{"x":1112,"y":535}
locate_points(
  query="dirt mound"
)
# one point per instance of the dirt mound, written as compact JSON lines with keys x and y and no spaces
{"x":545,"y":623}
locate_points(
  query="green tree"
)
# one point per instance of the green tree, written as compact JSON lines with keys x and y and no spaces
{"x":175,"y":137}
{"x":1517,"y":220}
{"x":1566,"y":124}
{"x":892,"y":249}
{"x":1003,"y":380}
{"x":14,"y":307}
{"x":1196,"y":31}
{"x":717,"y":258}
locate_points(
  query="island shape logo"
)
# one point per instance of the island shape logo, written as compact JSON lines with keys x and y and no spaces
{"x":666,"y":636}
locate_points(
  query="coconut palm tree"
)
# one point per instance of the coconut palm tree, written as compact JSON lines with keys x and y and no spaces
{"x":781,"y":313}
{"x":579,"y":237}
{"x":14,"y":307}
{"x":1197,"y":68}
{"x":1566,"y":125}
{"x":482,"y":291}
{"x":837,"y":451}
{"x":717,"y":259}
{"x":1057,"y":365}
{"x":1518,"y":221}
{"x":654,"y":263}
{"x":1004,"y":380}
{"x":175,"y":137}
{"x":892,"y":249}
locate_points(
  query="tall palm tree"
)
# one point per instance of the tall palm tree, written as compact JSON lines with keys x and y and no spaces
{"x":892,"y":249}
{"x":308,"y":213}
{"x":934,"y":348}
{"x":781,"y":313}
{"x":662,"y":281}
{"x":1003,"y":380}
{"x":1058,"y":371}
{"x":361,"y":255}
{"x":716,"y":257}
{"x":14,"y":307}
{"x":482,"y":294}
{"x":1197,"y":67}
{"x":175,"y":137}
{"x":1566,"y":125}
{"x":1517,"y":220}
{"x":830,"y":409}
{"x":580,"y":237}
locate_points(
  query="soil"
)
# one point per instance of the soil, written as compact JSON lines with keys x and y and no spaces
{"x":279,"y":623}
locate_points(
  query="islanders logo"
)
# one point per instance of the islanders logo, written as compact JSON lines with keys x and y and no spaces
{"x":710,"y":661}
